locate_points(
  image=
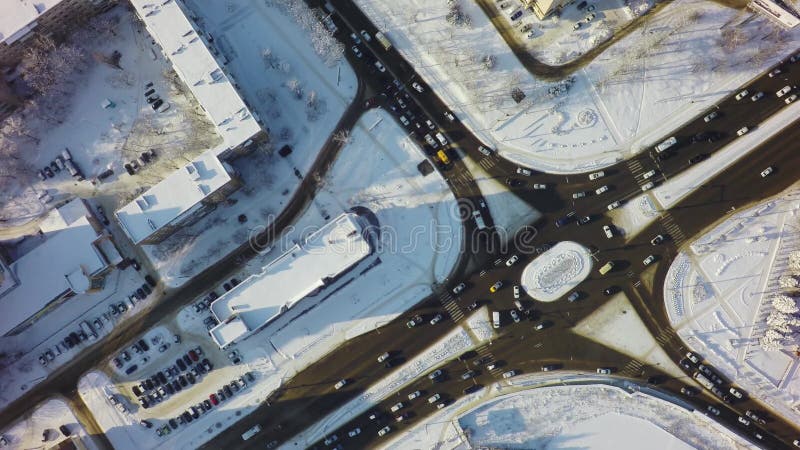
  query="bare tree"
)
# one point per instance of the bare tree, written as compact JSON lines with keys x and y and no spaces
{"x":342,"y":136}
{"x":295,"y":87}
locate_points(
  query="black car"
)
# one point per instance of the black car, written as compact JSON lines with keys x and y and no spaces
{"x":140,"y":294}
{"x":207,"y":404}
{"x":187,"y":360}
{"x":131,"y":369}
{"x":48,"y":171}
{"x":173,"y":424}
{"x":234,"y":282}
{"x":686,"y":364}
{"x":156,"y":104}
{"x":187,"y":417}
{"x":149,"y":92}
{"x":235,"y":386}
{"x":221,"y":395}
{"x":129,"y":169}
{"x":168,"y":387}
{"x":156,"y":381}
{"x":146,"y":288}
{"x":182,"y":381}
{"x":136,"y":391}
{"x":143,"y":345}
{"x":207,"y":364}
{"x":514,"y":182}
{"x":195,"y":414}
{"x":150,"y":280}
{"x":153,"y":99}
{"x":249,"y":376}
{"x":227,"y":391}
{"x":226,"y":286}
{"x":144,"y":402}
{"x":161,"y":377}
{"x":191,"y":378}
{"x":473,"y":388}
{"x":611,"y":290}
{"x":148,"y":383}
{"x":200,"y":369}
{"x":180,"y":364}
{"x":177,"y":386}
{"x":697,"y":158}
{"x":76,"y":339}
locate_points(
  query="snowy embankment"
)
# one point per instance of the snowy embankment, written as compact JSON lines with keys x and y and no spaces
{"x":639,"y":212}
{"x":720,"y":297}
{"x":449,"y":347}
{"x":625,"y":99}
{"x":300,"y":99}
{"x":41,"y":428}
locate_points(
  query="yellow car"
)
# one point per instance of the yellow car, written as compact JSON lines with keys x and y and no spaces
{"x":495,"y":287}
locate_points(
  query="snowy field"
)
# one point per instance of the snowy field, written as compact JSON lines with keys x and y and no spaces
{"x":678,"y":62}
{"x":300,"y":99}
{"x":40,"y":428}
{"x":719,"y":299}
{"x":559,"y":269}
{"x":22,"y":369}
{"x":101,"y":138}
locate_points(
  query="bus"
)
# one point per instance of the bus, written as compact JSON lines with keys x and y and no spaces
{"x":251,"y":432}
{"x":443,"y":157}
{"x":383,"y":40}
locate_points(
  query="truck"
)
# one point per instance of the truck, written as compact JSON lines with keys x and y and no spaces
{"x":251,"y":432}
{"x":703,"y":380}
{"x":479,"y":220}
{"x":443,"y":157}
{"x":496,"y":319}
{"x":666,"y":144}
{"x":383,"y":40}
{"x":86,"y":328}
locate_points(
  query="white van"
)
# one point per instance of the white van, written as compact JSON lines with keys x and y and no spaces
{"x":496,"y":319}
{"x":479,"y":220}
{"x":666,"y":144}
{"x":441,"y":138}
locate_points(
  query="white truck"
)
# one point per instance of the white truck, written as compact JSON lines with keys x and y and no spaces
{"x":703,"y":380}
{"x":251,"y":432}
{"x":383,"y":40}
{"x":666,"y":144}
{"x":496,"y":319}
{"x":479,"y":220}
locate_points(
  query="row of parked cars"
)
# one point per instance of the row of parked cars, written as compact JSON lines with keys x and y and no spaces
{"x":137,"y":164}
{"x":61,"y":162}
{"x":186,"y":371}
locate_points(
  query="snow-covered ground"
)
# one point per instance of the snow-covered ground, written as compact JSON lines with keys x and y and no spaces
{"x":679,"y":61}
{"x":418,"y":242}
{"x":559,"y":269}
{"x":638,"y":213}
{"x":718,"y":295}
{"x":22,"y":369}
{"x":40,"y":428}
{"x":244,"y":32}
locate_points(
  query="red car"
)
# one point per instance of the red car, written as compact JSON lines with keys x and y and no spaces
{"x":193,"y":355}
{"x":214,"y":400}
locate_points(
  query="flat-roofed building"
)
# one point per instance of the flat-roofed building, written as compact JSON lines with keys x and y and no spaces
{"x":543,"y":8}
{"x":195,"y":62}
{"x":73,"y":258}
{"x":303,"y":271}
{"x":178,"y":200}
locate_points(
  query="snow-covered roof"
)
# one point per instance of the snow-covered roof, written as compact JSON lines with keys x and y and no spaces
{"x":299,"y":272}
{"x":229,"y":331}
{"x":213,"y":88}
{"x":16,"y":17}
{"x":173,"y":196}
{"x":63,"y":261}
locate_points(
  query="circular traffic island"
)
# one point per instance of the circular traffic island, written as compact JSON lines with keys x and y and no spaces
{"x":556,"y":271}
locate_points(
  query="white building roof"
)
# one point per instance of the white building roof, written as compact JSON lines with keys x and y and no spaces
{"x":229,"y":331}
{"x":194,"y":63}
{"x":173,"y":196}
{"x":63,"y":261}
{"x":16,"y":17}
{"x":259,"y":299}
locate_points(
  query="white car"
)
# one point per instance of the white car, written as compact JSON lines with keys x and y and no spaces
{"x":649,"y":260}
{"x":379,"y":66}
{"x":757,"y":96}
{"x":783,"y":91}
{"x":607,"y":231}
{"x":509,"y":374}
{"x":539,"y":186}
{"x":744,"y":421}
{"x":430,"y":141}
{"x":413,"y":395}
{"x":613,"y":205}
{"x":601,"y":190}
{"x":429,"y":124}
{"x":417,"y":87}
{"x":485,"y":151}
{"x":515,"y":315}
{"x":742,"y":94}
{"x":774,"y":72}
{"x":742,"y":131}
{"x":457,"y":290}
{"x":736,"y":393}
{"x":511,"y":261}
{"x":604,"y":371}
{"x":596,"y":175}
{"x":765,"y":173}
{"x":340,"y":384}
{"x":790,"y":99}
{"x":436,"y":319}
{"x":655,"y":241}
{"x":648,"y":175}
{"x":366,"y":35}
{"x":713,"y":115}
{"x":578,"y":195}
{"x":404,"y":121}
{"x":434,"y":398}
{"x":693,"y":357}
{"x":516,"y":292}
{"x":383,"y":357}
{"x":449,"y":116}
{"x":523,"y":171}
{"x":384,"y":430}
{"x":354,"y":432}
{"x":648,"y":186}
{"x":356,"y":51}
{"x":397,"y":406}
{"x":442,"y":405}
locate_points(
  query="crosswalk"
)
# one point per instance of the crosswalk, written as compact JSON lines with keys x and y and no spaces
{"x":488,"y":162}
{"x":449,"y":303}
{"x":635,"y":167}
{"x":665,"y":336}
{"x":632,"y":369}
{"x":483,"y":350}
{"x":673,"y":229}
